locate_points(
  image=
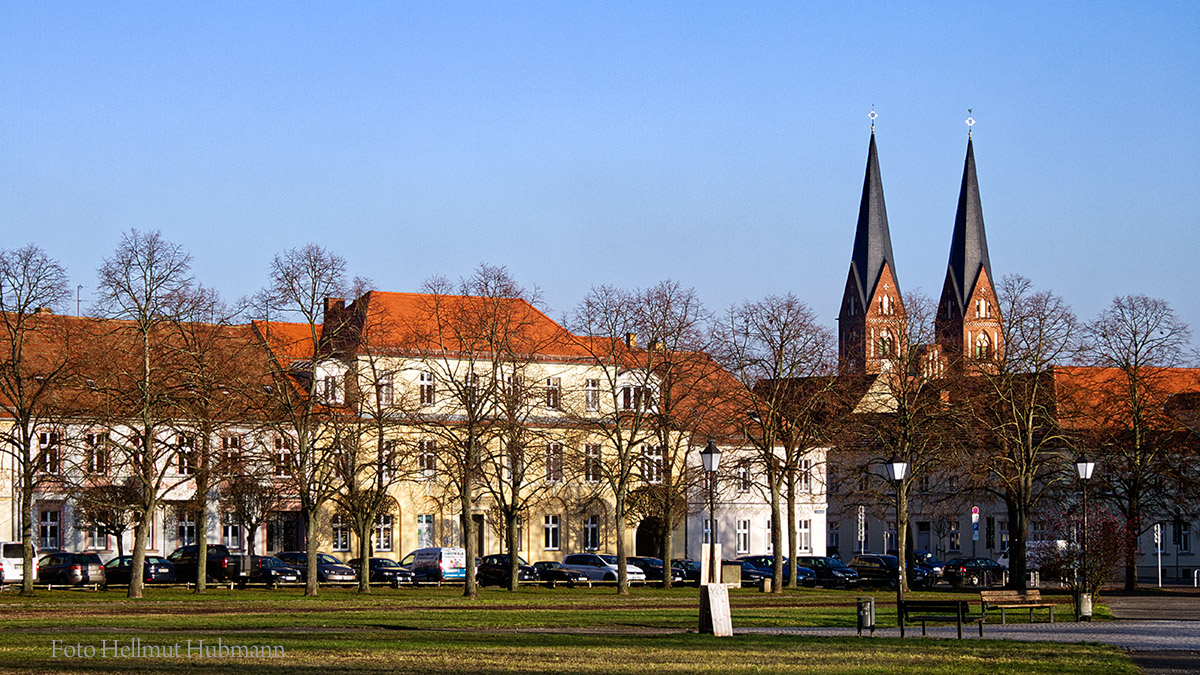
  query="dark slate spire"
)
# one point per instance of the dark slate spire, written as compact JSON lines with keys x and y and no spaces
{"x":968,"y":247}
{"x":872,"y":240}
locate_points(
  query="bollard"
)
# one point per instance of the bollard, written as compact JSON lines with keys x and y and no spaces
{"x":866,"y":615}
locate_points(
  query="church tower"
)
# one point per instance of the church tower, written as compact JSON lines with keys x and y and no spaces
{"x":870,"y":324}
{"x":968,"y":317}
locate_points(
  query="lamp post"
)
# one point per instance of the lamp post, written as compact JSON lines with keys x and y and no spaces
{"x":897,"y":469}
{"x":711,"y":455}
{"x":1084,"y":468}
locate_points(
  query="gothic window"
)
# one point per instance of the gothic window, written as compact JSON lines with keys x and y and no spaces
{"x":983,"y":347}
{"x":887,"y":344}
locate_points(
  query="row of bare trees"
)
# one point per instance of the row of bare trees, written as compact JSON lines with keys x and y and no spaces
{"x":170,"y":374}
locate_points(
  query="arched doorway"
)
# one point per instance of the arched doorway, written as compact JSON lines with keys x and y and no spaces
{"x":648,"y":541}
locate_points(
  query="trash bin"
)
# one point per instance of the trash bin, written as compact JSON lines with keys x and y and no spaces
{"x":866,"y":615}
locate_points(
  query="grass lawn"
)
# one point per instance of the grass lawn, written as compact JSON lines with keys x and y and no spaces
{"x":533,"y":630}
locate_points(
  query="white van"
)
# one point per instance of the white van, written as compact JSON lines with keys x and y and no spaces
{"x":12,"y":562}
{"x":437,"y":564}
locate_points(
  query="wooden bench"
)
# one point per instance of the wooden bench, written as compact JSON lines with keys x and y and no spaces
{"x":943,"y":611}
{"x":1006,"y":600}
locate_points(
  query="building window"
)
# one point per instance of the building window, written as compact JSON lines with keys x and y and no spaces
{"x":743,"y":475}
{"x":341,"y":533}
{"x":185,"y":529}
{"x":743,"y":536}
{"x":427,"y":458}
{"x":97,"y":540}
{"x":805,"y":482}
{"x":983,"y":347}
{"x":49,"y":532}
{"x":49,"y":442}
{"x":554,"y":463}
{"x":383,"y":532}
{"x":551,"y":533}
{"x":887,"y":344}
{"x":1183,"y":536}
{"x":709,"y":527}
{"x":231,"y":531}
{"x":636,"y":398}
{"x":652,"y":464}
{"x":330,"y":389}
{"x":591,"y":463}
{"x":97,"y":453}
{"x":1003,"y":534}
{"x":425,"y":530}
{"x":281,"y":459}
{"x":885,"y":305}
{"x":389,"y":458}
{"x":832,"y":536}
{"x":591,"y":533}
{"x":185,"y":454}
{"x":804,"y":536}
{"x":955,"y":539}
{"x":231,"y":452}
{"x":384,"y":395}
{"x":553,"y":392}
{"x":428,"y":389}
{"x":770,"y":538}
{"x":591,"y":395}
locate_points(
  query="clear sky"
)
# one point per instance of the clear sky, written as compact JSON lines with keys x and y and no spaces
{"x":719,"y":144}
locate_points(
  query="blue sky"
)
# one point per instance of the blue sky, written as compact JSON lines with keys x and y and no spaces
{"x":718,"y":144}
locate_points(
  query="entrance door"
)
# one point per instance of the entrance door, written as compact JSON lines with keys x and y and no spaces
{"x":648,"y":541}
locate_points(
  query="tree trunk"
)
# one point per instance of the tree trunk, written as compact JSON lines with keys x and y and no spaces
{"x":622,"y":573}
{"x":1132,"y":529}
{"x":1018,"y":547}
{"x":668,"y":542}
{"x":791,"y":521}
{"x":470,"y":589}
{"x":776,"y":538}
{"x":202,"y":529}
{"x":510,"y":546}
{"x":311,"y":582}
{"x":27,"y":537}
{"x":364,"y":558}
{"x":137,"y":572}
{"x":902,"y":537}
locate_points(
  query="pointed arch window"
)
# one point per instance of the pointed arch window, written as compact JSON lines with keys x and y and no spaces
{"x":887,"y":344}
{"x":887,"y":305}
{"x":983,"y":347}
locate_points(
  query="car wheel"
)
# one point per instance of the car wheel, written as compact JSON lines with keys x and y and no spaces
{"x":973,"y":579}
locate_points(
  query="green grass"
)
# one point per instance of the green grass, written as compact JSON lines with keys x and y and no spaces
{"x":533,"y":630}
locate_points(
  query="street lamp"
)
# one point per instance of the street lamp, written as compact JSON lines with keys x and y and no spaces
{"x":897,"y":469}
{"x":1084,"y":468}
{"x":711,"y":456}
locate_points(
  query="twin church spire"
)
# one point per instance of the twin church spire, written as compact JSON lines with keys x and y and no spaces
{"x":871,"y":323}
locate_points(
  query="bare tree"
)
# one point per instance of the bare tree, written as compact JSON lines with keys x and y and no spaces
{"x":1014,"y":411}
{"x":34,"y":364}
{"x":251,"y":496}
{"x":783,"y":360}
{"x":108,"y":509}
{"x":136,"y":373}
{"x":1138,"y":343}
{"x":308,"y":380}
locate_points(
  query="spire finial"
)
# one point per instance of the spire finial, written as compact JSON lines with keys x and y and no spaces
{"x":970,"y":121}
{"x":873,"y":115}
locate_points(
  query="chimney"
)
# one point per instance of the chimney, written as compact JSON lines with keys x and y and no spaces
{"x":43,"y":310}
{"x":333,"y":306}
{"x":656,"y":344}
{"x":631,"y":340}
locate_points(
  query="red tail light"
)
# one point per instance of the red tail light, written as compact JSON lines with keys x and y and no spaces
{"x":76,"y":568}
{"x":224,"y":563}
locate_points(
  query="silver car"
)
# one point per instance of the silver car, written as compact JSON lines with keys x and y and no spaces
{"x":598,"y":567}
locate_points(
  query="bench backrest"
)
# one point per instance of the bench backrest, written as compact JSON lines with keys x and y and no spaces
{"x":952,"y":606}
{"x":1010,"y":596}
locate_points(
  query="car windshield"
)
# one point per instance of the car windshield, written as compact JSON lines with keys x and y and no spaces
{"x":384,"y":562}
{"x":549,"y":565}
{"x":610,"y":559}
{"x":326,"y":559}
{"x":272,"y":562}
{"x":687,"y":564}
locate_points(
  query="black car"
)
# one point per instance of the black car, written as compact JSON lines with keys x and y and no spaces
{"x":751,"y":575}
{"x":884,"y":570}
{"x":691,"y":569}
{"x":765,"y":563}
{"x":383,"y":571}
{"x":61,"y":567}
{"x":493,"y":570}
{"x":156,"y":571}
{"x":552,"y":572}
{"x":830,"y":572}
{"x":218,"y":568}
{"x":653,"y":567}
{"x":271,"y":571}
{"x":973,"y":572}
{"x":329,"y":568}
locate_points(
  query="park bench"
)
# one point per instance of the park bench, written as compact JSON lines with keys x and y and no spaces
{"x":1006,"y":600}
{"x":942,"y":611}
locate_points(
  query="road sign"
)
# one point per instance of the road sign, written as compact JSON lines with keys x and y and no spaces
{"x":975,"y":511}
{"x":862,"y":523}
{"x":975,"y":530}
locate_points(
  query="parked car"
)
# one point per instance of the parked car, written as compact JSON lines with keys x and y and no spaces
{"x":552,"y":572}
{"x":62,"y":567}
{"x":437,"y":564}
{"x":933,"y":567}
{"x":12,"y":563}
{"x":830,"y":572}
{"x":884,"y":570}
{"x":272,"y":571}
{"x":218,"y":568}
{"x":691,"y":570}
{"x":156,"y":571}
{"x":329,"y":568}
{"x":1037,"y":553}
{"x":493,"y":570}
{"x":751,"y":575}
{"x":766,"y":563}
{"x":973,"y":572}
{"x":601,"y":567}
{"x":653,"y":568}
{"x":383,"y":571}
